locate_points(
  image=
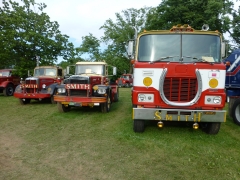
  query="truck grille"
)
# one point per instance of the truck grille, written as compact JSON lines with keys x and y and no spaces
{"x":31,"y":81}
{"x":120,"y":82}
{"x":180,"y":89}
{"x":77,"y":92}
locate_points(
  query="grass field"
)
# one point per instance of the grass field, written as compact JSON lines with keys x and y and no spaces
{"x":38,"y":142}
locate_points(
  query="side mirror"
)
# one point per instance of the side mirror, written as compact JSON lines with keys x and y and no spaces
{"x":130,"y":48}
{"x":67,"y":70}
{"x":224,"y":49}
{"x":114,"y":71}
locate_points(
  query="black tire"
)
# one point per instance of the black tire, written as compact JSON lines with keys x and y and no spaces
{"x":138,"y":126}
{"x":211,"y":127}
{"x":230,"y":105}
{"x":116,"y":96}
{"x":105,"y":107}
{"x":52,"y":100}
{"x":235,"y":111}
{"x":24,"y":101}
{"x":127,"y":85}
{"x":9,"y":90}
{"x":63,"y":107}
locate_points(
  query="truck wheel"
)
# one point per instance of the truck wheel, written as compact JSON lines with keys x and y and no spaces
{"x":138,"y":125}
{"x":63,"y":107}
{"x":116,"y":96}
{"x":211,"y":127}
{"x":230,"y":105}
{"x":235,"y":112}
{"x":105,"y":107}
{"x":52,"y":100}
{"x":127,"y":85}
{"x":24,"y":101}
{"x":9,"y":90}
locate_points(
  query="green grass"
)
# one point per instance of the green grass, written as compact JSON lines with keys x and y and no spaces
{"x":38,"y":142}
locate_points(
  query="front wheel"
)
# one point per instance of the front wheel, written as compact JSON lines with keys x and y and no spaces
{"x":116,"y":96}
{"x":24,"y":101}
{"x":138,"y":125}
{"x":52,"y":100}
{"x":211,"y":127}
{"x":105,"y":107}
{"x":235,"y":111}
{"x":9,"y":90}
{"x":63,"y":107}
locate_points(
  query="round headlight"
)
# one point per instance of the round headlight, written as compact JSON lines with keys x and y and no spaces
{"x":101,"y":91}
{"x":61,"y":90}
{"x":141,"y":97}
{"x":217,"y":100}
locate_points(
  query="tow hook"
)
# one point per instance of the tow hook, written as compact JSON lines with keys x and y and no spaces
{"x":160,"y":124}
{"x":195,"y":126}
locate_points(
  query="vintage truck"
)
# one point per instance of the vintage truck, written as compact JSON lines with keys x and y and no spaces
{"x":232,"y":85}
{"x":125,"y":80}
{"x":8,"y":82}
{"x":177,"y":79}
{"x":90,"y":86}
{"x":41,"y":85}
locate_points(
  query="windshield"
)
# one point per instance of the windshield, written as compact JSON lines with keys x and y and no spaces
{"x":45,"y":72}
{"x":90,"y":69}
{"x":179,"y":47}
{"x":5,"y":73}
{"x":125,"y":77}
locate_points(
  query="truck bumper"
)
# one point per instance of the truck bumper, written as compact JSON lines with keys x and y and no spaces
{"x":179,"y":115}
{"x":79,"y":101}
{"x":31,"y":95}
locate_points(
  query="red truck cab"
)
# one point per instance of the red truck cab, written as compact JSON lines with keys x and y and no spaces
{"x":126,"y":80}
{"x":41,"y":85}
{"x":8,"y":82}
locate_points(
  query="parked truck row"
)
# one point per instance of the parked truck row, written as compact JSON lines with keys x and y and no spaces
{"x":174,"y":79}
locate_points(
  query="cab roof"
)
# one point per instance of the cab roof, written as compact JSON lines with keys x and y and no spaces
{"x":96,"y":63}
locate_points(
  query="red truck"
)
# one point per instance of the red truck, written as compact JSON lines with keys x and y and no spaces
{"x":177,"y":79}
{"x":41,"y":85}
{"x":126,"y":80}
{"x":90,"y":86}
{"x":8,"y":82}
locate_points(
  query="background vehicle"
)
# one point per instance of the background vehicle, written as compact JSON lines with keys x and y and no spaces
{"x":177,"y":79}
{"x":125,"y":80}
{"x":232,"y":85}
{"x":41,"y":85}
{"x":90,"y":86}
{"x":8,"y":82}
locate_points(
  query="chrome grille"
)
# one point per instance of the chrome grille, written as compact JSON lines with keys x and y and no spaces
{"x":31,"y":81}
{"x":180,"y":89}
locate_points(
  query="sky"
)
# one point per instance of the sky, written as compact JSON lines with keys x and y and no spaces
{"x":78,"y":18}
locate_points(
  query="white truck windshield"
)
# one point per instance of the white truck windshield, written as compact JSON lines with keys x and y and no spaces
{"x":179,"y":47}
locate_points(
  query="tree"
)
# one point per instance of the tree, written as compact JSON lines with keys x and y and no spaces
{"x":193,"y":12}
{"x":91,"y":47}
{"x":25,"y":34}
{"x":234,"y":28}
{"x":117,"y":34}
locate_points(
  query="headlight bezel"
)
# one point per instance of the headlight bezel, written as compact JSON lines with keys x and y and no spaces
{"x":61,"y":90}
{"x":101,"y":91}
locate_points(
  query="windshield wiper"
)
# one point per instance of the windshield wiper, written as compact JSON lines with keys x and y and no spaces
{"x":163,"y":58}
{"x":197,"y":59}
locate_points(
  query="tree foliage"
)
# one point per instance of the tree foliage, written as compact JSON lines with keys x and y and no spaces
{"x":90,"y":47}
{"x":193,"y":12}
{"x":116,"y":35}
{"x":26,"y":32}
